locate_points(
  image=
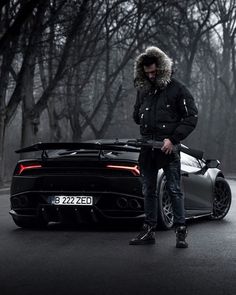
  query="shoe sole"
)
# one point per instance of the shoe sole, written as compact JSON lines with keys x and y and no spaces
{"x":182,"y":246}
{"x":142,"y":242}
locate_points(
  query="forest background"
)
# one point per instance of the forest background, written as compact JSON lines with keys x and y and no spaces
{"x":66,"y":70}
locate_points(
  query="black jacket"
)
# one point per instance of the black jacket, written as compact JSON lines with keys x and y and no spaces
{"x":167,"y":113}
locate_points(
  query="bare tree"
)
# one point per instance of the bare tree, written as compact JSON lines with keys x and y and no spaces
{"x":14,"y":16}
{"x":71,"y":63}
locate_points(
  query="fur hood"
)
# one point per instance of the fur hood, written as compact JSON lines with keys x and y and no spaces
{"x":163,"y":62}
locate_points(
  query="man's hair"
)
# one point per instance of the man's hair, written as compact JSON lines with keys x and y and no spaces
{"x":148,"y":60}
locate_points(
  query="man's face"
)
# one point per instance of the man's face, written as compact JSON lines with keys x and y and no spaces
{"x":151,"y":72}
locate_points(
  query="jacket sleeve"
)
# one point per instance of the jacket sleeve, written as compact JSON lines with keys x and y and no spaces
{"x":137,"y":105}
{"x":188,"y":113}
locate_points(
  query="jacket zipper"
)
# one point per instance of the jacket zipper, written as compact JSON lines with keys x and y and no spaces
{"x":185,"y":106}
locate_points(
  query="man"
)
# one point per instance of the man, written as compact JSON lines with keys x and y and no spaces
{"x":165,"y":111}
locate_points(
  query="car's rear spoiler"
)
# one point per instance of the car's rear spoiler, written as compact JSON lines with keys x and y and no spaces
{"x":116,"y":145}
{"x":42,"y":146}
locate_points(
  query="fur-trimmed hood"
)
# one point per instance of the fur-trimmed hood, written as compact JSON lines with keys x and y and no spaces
{"x":163,"y":62}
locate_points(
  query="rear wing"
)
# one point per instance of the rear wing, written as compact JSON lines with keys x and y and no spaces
{"x":132,"y":145}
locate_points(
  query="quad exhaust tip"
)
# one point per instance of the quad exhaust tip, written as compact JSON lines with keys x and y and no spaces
{"x":134,"y":204}
{"x":123,"y":203}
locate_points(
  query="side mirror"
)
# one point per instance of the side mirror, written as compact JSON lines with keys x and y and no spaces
{"x":212,"y":163}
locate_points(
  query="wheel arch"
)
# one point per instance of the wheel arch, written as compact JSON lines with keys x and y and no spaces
{"x":214,"y":173}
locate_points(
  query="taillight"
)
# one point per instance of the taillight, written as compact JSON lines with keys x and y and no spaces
{"x":23,"y":167}
{"x":133,"y":169}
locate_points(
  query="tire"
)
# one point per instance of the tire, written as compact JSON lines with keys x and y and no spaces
{"x":165,"y":209}
{"x":29,"y":223}
{"x":222,"y":199}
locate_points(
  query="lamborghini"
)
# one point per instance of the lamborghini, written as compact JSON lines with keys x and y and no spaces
{"x":99,"y":181}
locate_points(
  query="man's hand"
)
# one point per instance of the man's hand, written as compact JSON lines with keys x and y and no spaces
{"x":167,"y":147}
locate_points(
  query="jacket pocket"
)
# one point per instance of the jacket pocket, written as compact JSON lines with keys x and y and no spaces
{"x":166,"y":128}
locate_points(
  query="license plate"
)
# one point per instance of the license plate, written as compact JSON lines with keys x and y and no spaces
{"x":73,"y":200}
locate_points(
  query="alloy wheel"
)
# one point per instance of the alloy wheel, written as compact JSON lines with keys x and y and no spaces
{"x":222,"y":199}
{"x":167,"y":208}
{"x":165,"y":212}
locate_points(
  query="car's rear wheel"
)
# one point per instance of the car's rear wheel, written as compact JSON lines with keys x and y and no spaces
{"x":222,"y":199}
{"x":165,"y":209}
{"x":29,"y":223}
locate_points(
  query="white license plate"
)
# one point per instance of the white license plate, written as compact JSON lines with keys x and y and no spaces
{"x":73,"y":200}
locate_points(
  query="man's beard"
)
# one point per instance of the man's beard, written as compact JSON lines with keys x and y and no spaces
{"x":157,"y":82}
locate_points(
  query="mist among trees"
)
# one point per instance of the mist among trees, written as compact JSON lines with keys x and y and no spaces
{"x":66,"y":69}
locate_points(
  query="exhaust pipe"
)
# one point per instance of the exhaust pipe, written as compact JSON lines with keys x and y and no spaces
{"x":134,"y":204}
{"x":122,"y":203}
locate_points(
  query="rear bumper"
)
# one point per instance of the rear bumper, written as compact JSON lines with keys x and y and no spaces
{"x":107,"y":206}
{"x":77,"y":215}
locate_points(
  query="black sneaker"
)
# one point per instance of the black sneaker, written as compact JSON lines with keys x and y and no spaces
{"x":181,"y":234}
{"x":146,"y":236}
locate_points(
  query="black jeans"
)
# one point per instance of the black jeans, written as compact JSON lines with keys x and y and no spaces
{"x":150,"y":164}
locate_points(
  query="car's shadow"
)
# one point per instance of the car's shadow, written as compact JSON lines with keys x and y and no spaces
{"x":111,"y":227}
{"x":117,"y":227}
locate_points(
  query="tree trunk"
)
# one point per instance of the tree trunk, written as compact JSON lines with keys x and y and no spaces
{"x":6,"y":59}
{"x":2,"y":140}
{"x":29,"y":120}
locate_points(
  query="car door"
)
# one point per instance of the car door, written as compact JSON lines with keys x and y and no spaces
{"x":197,"y":185}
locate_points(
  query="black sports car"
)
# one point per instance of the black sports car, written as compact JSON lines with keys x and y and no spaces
{"x":96,"y":181}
